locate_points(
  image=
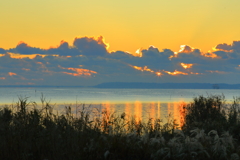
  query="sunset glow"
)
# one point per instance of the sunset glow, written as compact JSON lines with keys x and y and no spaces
{"x":176,"y":73}
{"x":79,"y":71}
{"x":109,"y":41}
{"x":210,"y":55}
{"x":145,"y":68}
{"x":120,"y":79}
{"x":89,"y":58}
{"x":121,"y":28}
{"x":158,"y":73}
{"x":138,"y":53}
{"x":185,"y":49}
{"x":184,"y":65}
{"x":12,"y":74}
{"x":20,"y":56}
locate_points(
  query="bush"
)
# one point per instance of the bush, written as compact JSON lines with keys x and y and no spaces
{"x":213,"y":112}
{"x":206,"y":113}
{"x":208,"y":133}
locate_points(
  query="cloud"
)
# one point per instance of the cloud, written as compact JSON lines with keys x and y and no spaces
{"x":64,"y":49}
{"x":25,"y":49}
{"x":176,"y":72}
{"x":226,"y":51}
{"x":224,"y":47}
{"x":201,"y":63}
{"x":120,"y":55}
{"x":152,"y":58}
{"x":223,"y":54}
{"x":154,"y":52}
{"x":187,"y":52}
{"x":185,"y":49}
{"x":2,"y":50}
{"x":90,"y":46}
{"x":87,"y":62}
{"x":236,"y":46}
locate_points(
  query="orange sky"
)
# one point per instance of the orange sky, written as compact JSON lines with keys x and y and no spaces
{"x":126,"y":25}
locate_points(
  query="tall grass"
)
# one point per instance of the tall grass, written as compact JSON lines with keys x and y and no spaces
{"x":27,"y":132}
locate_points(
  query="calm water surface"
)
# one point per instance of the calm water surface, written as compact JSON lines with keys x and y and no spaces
{"x":143,"y":103}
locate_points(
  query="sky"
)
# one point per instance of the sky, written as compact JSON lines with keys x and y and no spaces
{"x":80,"y":42}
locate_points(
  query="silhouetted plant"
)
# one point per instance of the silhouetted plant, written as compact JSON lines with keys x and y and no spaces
{"x":206,"y":112}
{"x":27,"y":132}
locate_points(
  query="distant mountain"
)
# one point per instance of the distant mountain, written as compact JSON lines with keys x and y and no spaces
{"x":142,"y":85}
{"x":167,"y":85}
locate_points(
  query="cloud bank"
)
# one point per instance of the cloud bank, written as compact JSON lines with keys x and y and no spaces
{"x":89,"y":62}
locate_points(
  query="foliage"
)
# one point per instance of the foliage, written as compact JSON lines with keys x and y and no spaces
{"x":213,"y":113}
{"x":27,"y":132}
{"x":207,"y":113}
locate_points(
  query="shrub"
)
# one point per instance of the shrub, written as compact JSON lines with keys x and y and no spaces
{"x":213,"y":112}
{"x":31,"y":133}
{"x":207,"y":113}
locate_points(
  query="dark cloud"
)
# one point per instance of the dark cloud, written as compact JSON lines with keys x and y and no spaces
{"x":90,"y":46}
{"x":81,"y":46}
{"x":194,"y":55}
{"x":151,"y":57}
{"x":204,"y":63}
{"x":224,"y":46}
{"x":119,"y":55}
{"x":223,"y":54}
{"x":159,"y":60}
{"x":154,"y":52}
{"x":2,"y":50}
{"x":25,"y":49}
{"x":151,"y":52}
{"x":88,"y":62}
{"x":234,"y":46}
{"x":63,"y":50}
{"x":229,"y":51}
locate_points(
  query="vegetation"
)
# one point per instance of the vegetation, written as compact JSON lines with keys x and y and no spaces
{"x":210,"y":131}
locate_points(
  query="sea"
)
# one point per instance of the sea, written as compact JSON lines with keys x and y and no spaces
{"x":143,"y":104}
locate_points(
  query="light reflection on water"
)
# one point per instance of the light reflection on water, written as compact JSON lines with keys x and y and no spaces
{"x":143,"y":103}
{"x":142,"y":111}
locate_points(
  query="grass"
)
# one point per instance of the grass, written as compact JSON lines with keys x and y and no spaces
{"x":210,"y":131}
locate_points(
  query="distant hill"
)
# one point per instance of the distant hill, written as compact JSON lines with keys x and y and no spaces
{"x":146,"y":85}
{"x":167,"y":85}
